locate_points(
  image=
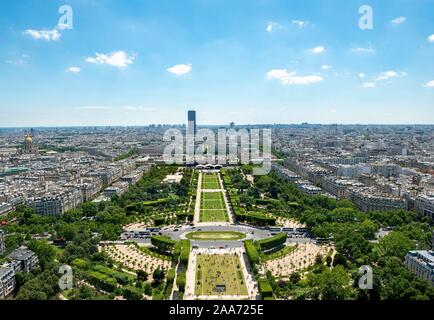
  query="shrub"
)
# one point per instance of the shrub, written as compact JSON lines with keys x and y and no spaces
{"x":81,"y":264}
{"x":180,"y":281}
{"x":132,"y":293}
{"x":253,"y":218}
{"x":273,"y":242}
{"x":170,"y":276}
{"x":163,"y":243}
{"x":265,"y":288}
{"x":185,"y":252}
{"x":252,"y":252}
{"x":102,"y":281}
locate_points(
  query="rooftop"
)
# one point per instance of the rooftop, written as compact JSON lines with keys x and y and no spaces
{"x":20,"y":254}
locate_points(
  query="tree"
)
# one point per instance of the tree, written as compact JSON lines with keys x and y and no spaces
{"x":340,"y":260}
{"x":395,"y":244}
{"x":148,"y":289}
{"x":45,"y":252}
{"x":142,"y":275}
{"x":158,"y":275}
{"x":329,"y":261}
{"x":90,"y":209}
{"x":332,"y":284}
{"x":295,"y":277}
{"x":397,"y":283}
{"x":181,"y":281}
{"x":85,"y":292}
{"x":42,"y":287}
{"x":369,"y":228}
{"x":132,"y":293}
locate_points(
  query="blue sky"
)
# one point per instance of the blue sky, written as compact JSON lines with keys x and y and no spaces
{"x":249,"y":61}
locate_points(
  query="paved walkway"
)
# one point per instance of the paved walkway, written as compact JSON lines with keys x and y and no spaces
{"x":226,"y":199}
{"x":196,"y":218}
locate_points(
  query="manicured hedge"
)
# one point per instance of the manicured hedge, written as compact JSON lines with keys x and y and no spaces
{"x":163,"y":243}
{"x":255,"y":218}
{"x":170,"y":276}
{"x":132,"y":293}
{"x":81,"y":264}
{"x":181,"y":280}
{"x":122,"y":278}
{"x":101,"y":281}
{"x":273,"y":242}
{"x":185,"y":251}
{"x":176,"y":252}
{"x":252,"y":252}
{"x":159,"y":221}
{"x":265,"y":289}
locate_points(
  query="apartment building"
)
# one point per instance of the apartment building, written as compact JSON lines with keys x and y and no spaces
{"x":308,"y":187}
{"x":56,"y":204}
{"x":2,"y":242}
{"x":285,"y":173}
{"x":90,"y":188}
{"x":23,"y":260}
{"x":369,"y":200}
{"x":421,"y":263}
{"x":386,"y":169}
{"x":7,"y":282}
{"x":424,"y":204}
{"x":339,"y":186}
{"x":6,"y":208}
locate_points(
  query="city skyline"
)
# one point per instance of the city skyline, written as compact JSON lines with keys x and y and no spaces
{"x":285,"y":63}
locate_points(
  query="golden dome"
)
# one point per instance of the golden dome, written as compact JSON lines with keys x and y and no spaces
{"x":28,"y":138}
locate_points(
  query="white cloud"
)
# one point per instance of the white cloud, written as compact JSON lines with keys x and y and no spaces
{"x":47,"y":35}
{"x":389,"y":75}
{"x":291,"y":78}
{"x":362,"y":75}
{"x":180,"y":69}
{"x":317,"y":50}
{"x":18,"y":61}
{"x":399,"y":20}
{"x":117,"y":59}
{"x":278,"y":74}
{"x":74,"y":70}
{"x":369,"y":84}
{"x":363,"y":50}
{"x":271,"y":26}
{"x":431,"y":38}
{"x":429,"y":84}
{"x":326,"y":67}
{"x":300,"y":23}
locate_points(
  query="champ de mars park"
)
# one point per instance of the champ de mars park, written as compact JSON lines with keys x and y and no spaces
{"x":221,"y":255}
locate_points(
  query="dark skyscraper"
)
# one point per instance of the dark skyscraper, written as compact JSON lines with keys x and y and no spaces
{"x":192,"y":121}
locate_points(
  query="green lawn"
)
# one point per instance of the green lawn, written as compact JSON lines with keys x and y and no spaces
{"x":219,"y":271}
{"x":213,"y":216}
{"x":213,"y":207}
{"x":215,"y":235}
{"x":210,"y":181}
